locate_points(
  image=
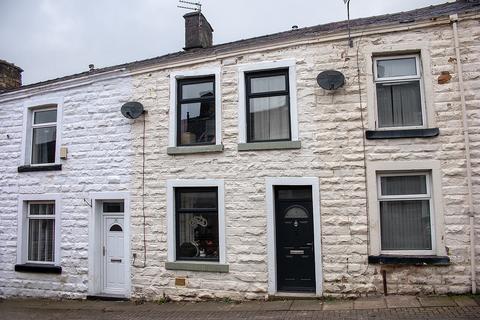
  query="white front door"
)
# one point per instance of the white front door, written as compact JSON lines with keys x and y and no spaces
{"x":113,"y":255}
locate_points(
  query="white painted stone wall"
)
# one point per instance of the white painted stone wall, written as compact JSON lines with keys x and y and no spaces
{"x":100,"y":155}
{"x":105,"y":154}
{"x":331,"y":135}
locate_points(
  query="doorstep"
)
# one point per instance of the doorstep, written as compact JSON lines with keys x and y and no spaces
{"x":293,"y":296}
{"x":108,"y":297}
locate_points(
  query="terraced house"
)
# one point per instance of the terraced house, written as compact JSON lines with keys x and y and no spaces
{"x":288,"y":164}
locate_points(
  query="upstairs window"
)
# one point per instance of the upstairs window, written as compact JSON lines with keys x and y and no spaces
{"x":43,"y":136}
{"x":399,"y":92}
{"x":196,"y":111}
{"x":268,"y":106}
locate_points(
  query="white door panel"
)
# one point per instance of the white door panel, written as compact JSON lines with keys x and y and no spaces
{"x":114,"y":257}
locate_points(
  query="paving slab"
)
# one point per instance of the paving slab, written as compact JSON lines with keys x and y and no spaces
{"x":338,"y":305}
{"x":247,"y":306}
{"x":206,"y":306}
{"x":307,"y":305}
{"x":277,"y":305}
{"x":369,"y":303}
{"x":464,"y":301}
{"x":437,"y":302}
{"x":402,"y":302}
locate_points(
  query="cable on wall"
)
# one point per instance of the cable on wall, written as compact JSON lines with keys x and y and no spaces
{"x":364,"y":148}
{"x":143,"y":197}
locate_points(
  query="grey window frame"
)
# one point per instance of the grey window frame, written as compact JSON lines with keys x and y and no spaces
{"x":208,"y":211}
{"x":248,"y":95}
{"x":194,"y":80}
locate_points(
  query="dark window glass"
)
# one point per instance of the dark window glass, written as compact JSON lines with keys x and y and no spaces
{"x":399,"y":104}
{"x":113,"y":207}
{"x":43,"y":145}
{"x":405,"y":225}
{"x":196,"y":111}
{"x":196,"y":219}
{"x":401,"y":185}
{"x":396,"y":67}
{"x":40,"y":209}
{"x":294,"y":193}
{"x":198,"y":90}
{"x":198,"y":199}
{"x":41,"y":232}
{"x":269,"y":84}
{"x":41,"y":240}
{"x":116,"y":228}
{"x":268,"y":107}
{"x":46,"y":116}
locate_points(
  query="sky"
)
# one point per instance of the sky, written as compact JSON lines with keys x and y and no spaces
{"x":54,"y":38}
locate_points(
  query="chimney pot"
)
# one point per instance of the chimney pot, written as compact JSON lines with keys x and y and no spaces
{"x":10,"y":76}
{"x":198,"y":32}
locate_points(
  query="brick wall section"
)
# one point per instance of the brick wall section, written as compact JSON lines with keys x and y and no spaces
{"x":99,"y":148}
{"x":331,"y":134}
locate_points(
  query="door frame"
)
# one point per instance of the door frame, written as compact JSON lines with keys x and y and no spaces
{"x":271,"y":238}
{"x":95,"y":241}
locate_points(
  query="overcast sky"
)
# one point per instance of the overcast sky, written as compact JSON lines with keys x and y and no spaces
{"x":53,"y":38}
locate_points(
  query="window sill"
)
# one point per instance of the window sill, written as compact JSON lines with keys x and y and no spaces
{"x":38,"y":268}
{"x":197,"y":266}
{"x":274,"y":145}
{"x":49,"y":167}
{"x":195,"y":149}
{"x":409,"y":260}
{"x":402,"y":133}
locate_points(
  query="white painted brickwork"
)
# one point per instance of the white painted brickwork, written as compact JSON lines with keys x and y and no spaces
{"x":105,"y":155}
{"x":99,"y":145}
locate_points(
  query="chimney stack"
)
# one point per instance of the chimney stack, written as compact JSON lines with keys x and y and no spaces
{"x":198,"y":32}
{"x":10,"y":76}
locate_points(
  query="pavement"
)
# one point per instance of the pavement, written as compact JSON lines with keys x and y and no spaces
{"x":390,"y":307}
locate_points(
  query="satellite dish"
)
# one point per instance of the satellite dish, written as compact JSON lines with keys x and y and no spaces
{"x":132,"y":110}
{"x":331,"y":80}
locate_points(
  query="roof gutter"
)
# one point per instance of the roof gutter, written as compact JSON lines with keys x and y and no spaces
{"x":61,"y":85}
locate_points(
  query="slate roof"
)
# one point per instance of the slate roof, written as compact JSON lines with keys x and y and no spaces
{"x":422,"y":14}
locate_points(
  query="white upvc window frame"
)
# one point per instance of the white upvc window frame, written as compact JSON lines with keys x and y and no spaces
{"x":171,"y":228}
{"x":417,"y":77}
{"x":242,"y":104}
{"x":386,"y":52}
{"x":401,"y":168}
{"x":24,"y":202}
{"x":30,"y":107}
{"x":34,"y":126}
{"x":39,"y":217}
{"x":214,"y":71}
{"x":426,"y":196}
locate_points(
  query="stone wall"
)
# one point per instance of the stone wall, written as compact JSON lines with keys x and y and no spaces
{"x":99,"y":145}
{"x":331,"y":135}
{"x":105,"y":154}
